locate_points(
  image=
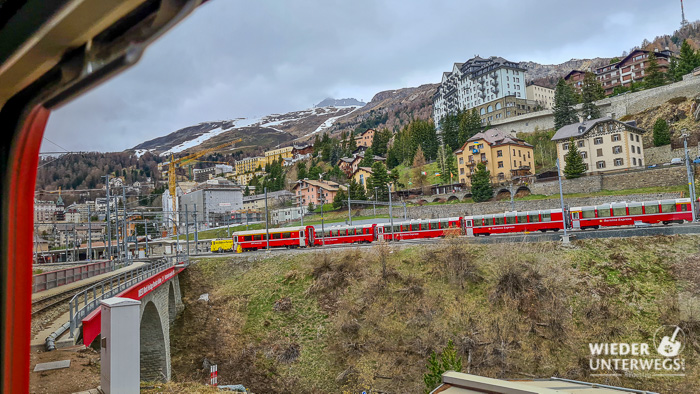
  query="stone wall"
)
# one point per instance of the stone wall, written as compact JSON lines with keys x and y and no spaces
{"x":664,"y":154}
{"x":630,"y":103}
{"x":448,"y":210}
{"x":663,"y":177}
{"x":156,"y":316}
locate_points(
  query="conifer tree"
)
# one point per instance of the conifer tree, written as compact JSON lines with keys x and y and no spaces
{"x":653,"y":76}
{"x":661,"y":133}
{"x":574,"y":167}
{"x":379,"y":179}
{"x":439,"y":364}
{"x":481,"y":184}
{"x":418,"y":169}
{"x":590,"y":92}
{"x":564,"y":101}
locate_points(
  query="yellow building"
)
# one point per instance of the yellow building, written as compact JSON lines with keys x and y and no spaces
{"x":504,"y":156}
{"x":244,"y":179}
{"x":361,"y":175}
{"x":249,"y":164}
{"x":275,"y":154}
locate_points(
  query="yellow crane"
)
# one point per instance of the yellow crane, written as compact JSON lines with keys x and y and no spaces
{"x":174,"y":163}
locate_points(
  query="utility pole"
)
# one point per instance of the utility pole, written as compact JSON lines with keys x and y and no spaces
{"x":89,"y":241}
{"x":689,"y":170}
{"x":349,"y":210}
{"x":146,"y":227}
{"x":405,"y":216}
{"x":187,"y":230}
{"x":391,"y":214}
{"x":109,"y":226}
{"x":267,"y":230}
{"x":76,"y":256}
{"x":323,"y":230}
{"x":561,"y":198}
{"x":374,"y":203}
{"x":196,"y":235}
{"x":125,"y":245}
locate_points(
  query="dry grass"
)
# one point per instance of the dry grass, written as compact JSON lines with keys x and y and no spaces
{"x":367,"y":319}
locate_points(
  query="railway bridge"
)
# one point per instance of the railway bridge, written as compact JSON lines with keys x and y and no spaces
{"x":157,"y":286}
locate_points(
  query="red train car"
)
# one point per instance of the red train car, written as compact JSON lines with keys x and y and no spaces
{"x":289,"y":237}
{"x":624,"y":213}
{"x":345,"y":235}
{"x":422,"y":228}
{"x":514,"y":222}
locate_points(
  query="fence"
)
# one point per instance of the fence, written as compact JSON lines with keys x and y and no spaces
{"x":49,"y":280}
{"x":90,"y":298}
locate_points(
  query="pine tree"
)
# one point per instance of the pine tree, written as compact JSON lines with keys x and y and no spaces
{"x":653,"y":76}
{"x":246,"y":192}
{"x":368,"y":159}
{"x":340,"y":200}
{"x":449,"y":127}
{"x":661,"y":133}
{"x":481,"y":184}
{"x":379,"y":179}
{"x":469,"y":125}
{"x":356,"y":191}
{"x":439,"y":364}
{"x":590,"y":92}
{"x":564,"y":112}
{"x":687,"y":60}
{"x":574,"y":167}
{"x":301,"y":171}
{"x":418,"y":163}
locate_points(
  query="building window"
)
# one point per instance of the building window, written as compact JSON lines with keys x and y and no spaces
{"x":565,"y":146}
{"x":610,"y":126}
{"x":461,"y":160}
{"x":490,"y":108}
{"x":585,"y":166}
{"x":633,"y":150}
{"x":483,"y":111}
{"x":600,"y":164}
{"x":615,"y":137}
{"x":499,"y":153}
{"x":580,"y":144}
{"x":500,"y":164}
{"x":618,"y":149}
{"x":461,"y":171}
{"x":599,"y":152}
{"x":634,"y":161}
{"x":618,"y":161}
{"x":598,"y":140}
{"x":584,"y":155}
{"x":471,"y":158}
{"x":639,"y":150}
{"x":637,"y":137}
{"x":528,"y":154}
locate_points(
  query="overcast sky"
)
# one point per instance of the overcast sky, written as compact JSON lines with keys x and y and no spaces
{"x":234,"y":58}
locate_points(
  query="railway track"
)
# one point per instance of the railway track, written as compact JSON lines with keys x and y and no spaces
{"x":43,"y":304}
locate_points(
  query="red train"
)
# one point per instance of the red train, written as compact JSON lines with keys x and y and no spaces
{"x":615,"y":214}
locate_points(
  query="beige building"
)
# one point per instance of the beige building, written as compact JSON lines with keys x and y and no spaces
{"x":365,"y":138}
{"x":244,"y":179}
{"x":605,"y":144}
{"x":272,"y":155}
{"x":543,"y":96}
{"x":249,"y":164}
{"x":503,"y":155}
{"x":504,"y":107}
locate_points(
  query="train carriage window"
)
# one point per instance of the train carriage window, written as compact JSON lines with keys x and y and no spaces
{"x":387,"y":229}
{"x":546,"y":217}
{"x":488,"y":220}
{"x":247,"y":237}
{"x":603,"y":211}
{"x":277,"y":236}
{"x":684,"y":207}
{"x":619,"y":210}
{"x":668,"y":206}
{"x":533,"y":217}
{"x":651,"y":207}
{"x":397,"y":229}
{"x":522,"y":218}
{"x":635,"y":209}
{"x":510,"y":219}
{"x":286,"y":235}
{"x":499,"y":220}
{"x":477,"y":221}
{"x":445,"y":225}
{"x":257,"y":237}
{"x":588,"y":213}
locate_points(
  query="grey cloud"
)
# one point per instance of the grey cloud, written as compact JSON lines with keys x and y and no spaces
{"x":240,"y":59}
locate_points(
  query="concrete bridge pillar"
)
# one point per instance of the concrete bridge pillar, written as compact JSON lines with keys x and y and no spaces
{"x":158,"y":310}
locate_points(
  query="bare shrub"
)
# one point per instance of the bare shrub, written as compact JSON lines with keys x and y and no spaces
{"x":455,"y":261}
{"x":289,"y":354}
{"x":688,"y":273}
{"x":282,"y":305}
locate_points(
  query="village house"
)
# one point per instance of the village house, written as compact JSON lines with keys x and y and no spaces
{"x":314,"y":192}
{"x":365,"y":138}
{"x":605,"y":144}
{"x":505,"y":156}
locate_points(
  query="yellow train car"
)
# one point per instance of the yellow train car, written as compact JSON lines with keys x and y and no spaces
{"x":222,"y":245}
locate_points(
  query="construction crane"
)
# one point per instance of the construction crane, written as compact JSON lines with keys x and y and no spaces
{"x":175,"y":163}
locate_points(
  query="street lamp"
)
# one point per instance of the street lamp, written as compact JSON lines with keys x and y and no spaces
{"x":391,"y":215}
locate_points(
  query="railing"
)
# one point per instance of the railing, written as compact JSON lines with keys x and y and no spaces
{"x":49,"y":280}
{"x":88,"y":300}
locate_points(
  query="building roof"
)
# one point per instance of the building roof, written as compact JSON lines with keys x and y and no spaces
{"x":327,"y":185}
{"x":462,"y":383}
{"x":581,"y":128}
{"x":363,"y":133}
{"x":346,"y":160}
{"x":566,"y":78}
{"x":495,"y":137}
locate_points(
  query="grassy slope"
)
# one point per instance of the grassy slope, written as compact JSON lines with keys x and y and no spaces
{"x":518,"y":311}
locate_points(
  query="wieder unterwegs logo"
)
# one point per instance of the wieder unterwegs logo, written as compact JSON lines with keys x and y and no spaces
{"x":660,"y":358}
